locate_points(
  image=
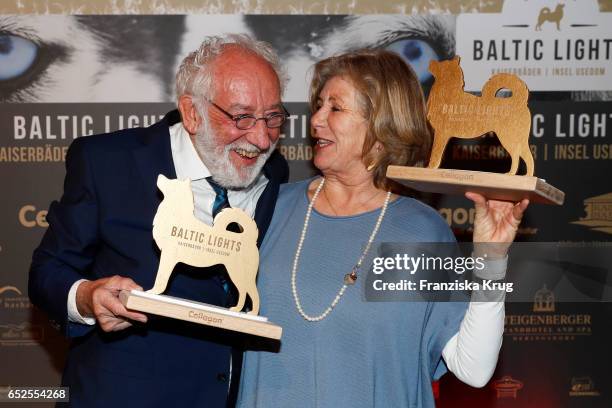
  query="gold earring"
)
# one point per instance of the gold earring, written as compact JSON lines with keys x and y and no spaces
{"x":371,"y":166}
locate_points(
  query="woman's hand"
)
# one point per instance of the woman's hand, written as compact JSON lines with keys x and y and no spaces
{"x":496,"y":221}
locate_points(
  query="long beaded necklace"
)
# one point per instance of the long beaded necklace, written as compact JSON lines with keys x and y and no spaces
{"x":349,"y":278}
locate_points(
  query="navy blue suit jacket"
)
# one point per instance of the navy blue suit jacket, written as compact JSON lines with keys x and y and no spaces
{"x":101,"y":227}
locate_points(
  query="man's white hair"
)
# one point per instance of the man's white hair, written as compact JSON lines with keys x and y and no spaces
{"x":194,"y":76}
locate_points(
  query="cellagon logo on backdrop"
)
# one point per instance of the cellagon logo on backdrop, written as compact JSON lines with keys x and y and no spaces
{"x":551,"y":45}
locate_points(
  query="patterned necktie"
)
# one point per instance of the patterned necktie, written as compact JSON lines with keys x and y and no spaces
{"x":221,"y":200}
{"x":220,"y":203}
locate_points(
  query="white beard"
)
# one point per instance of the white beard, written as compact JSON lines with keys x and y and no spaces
{"x":217,"y":160}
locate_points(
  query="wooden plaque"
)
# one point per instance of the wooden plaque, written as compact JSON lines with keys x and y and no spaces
{"x":181,"y":237}
{"x":452,"y":112}
{"x":491,"y":185}
{"x":200,"y":313}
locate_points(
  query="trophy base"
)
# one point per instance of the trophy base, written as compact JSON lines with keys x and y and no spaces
{"x":200,"y":313}
{"x":492,"y":185}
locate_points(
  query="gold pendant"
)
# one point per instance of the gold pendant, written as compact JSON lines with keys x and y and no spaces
{"x":350,"y":278}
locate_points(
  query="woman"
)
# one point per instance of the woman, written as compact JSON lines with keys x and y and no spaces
{"x":338,"y":350}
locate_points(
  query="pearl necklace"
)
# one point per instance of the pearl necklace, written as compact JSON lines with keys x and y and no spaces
{"x":349,"y":278}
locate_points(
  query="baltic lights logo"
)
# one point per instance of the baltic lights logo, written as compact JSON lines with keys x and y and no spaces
{"x":507,"y":387}
{"x":551,"y":45}
{"x":552,"y":16}
{"x":598,"y":212}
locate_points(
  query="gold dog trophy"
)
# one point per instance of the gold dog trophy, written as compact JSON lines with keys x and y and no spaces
{"x":455,"y":113}
{"x":183,"y":238}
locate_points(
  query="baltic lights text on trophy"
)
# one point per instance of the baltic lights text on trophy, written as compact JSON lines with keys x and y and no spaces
{"x":183,"y":238}
{"x":452,"y":112}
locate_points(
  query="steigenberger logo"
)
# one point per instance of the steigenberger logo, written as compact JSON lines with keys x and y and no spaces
{"x":544,"y":300}
{"x":552,"y":45}
{"x":546,"y":323}
{"x":598,"y":212}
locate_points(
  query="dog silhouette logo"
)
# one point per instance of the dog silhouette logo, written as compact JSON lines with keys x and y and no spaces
{"x":554,"y":16}
{"x":181,"y":237}
{"x":452,"y":112}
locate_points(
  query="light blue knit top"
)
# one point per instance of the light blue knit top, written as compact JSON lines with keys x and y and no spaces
{"x":364,"y":354}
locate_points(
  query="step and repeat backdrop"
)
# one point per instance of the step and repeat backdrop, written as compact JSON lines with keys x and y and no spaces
{"x":68,"y":70}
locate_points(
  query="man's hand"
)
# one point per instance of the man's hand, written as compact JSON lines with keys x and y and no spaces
{"x":100,"y":299}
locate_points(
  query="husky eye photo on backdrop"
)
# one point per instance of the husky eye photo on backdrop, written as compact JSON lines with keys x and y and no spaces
{"x":39,"y":53}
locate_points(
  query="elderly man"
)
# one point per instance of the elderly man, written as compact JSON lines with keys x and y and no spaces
{"x":99,"y":238}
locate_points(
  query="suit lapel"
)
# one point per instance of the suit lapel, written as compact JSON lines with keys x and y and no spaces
{"x":154,"y":157}
{"x":277,"y":172}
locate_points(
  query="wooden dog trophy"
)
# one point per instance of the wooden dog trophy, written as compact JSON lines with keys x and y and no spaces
{"x":183,"y":238}
{"x":455,"y":113}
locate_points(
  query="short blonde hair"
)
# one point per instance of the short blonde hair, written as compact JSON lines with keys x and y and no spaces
{"x":390,"y":98}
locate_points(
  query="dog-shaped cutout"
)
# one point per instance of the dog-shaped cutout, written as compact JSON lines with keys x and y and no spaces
{"x":181,"y":237}
{"x":455,"y":113}
{"x":552,"y":16}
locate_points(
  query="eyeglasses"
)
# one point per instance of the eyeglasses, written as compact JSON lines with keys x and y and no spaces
{"x":245,"y":122}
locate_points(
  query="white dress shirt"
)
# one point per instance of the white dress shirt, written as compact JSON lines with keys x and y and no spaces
{"x":188,"y":165}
